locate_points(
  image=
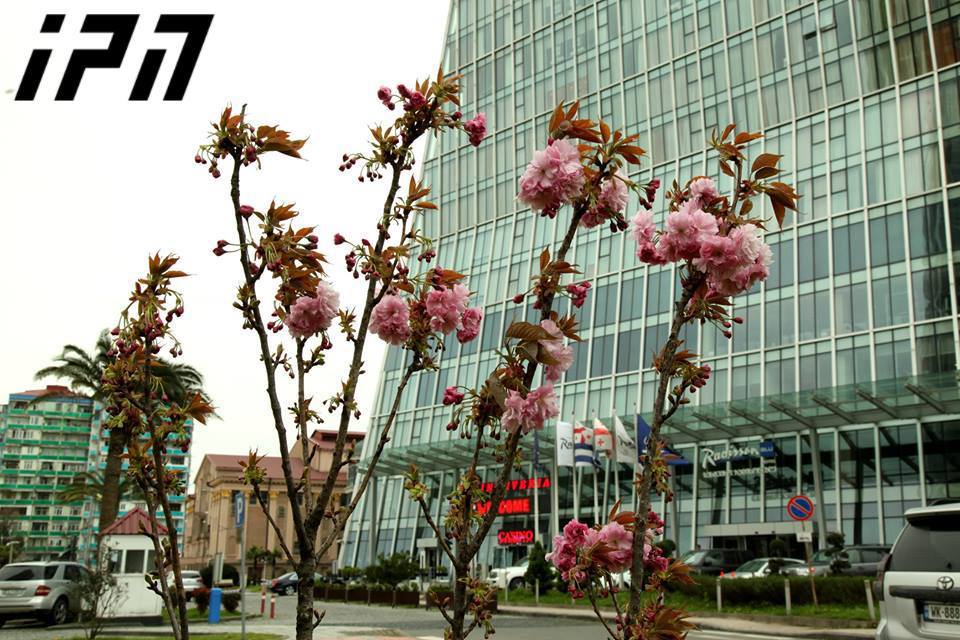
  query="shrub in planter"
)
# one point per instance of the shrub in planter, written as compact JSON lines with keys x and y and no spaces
{"x":539,"y":569}
{"x":202,"y":597}
{"x":231,"y":601}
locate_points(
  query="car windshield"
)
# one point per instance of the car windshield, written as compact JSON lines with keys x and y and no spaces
{"x":692,"y":557}
{"x":928,"y":544}
{"x":22,"y":572}
{"x":752,"y":566}
{"x":821,"y":557}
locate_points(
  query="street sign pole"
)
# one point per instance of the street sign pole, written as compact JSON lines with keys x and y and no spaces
{"x":240,"y":512}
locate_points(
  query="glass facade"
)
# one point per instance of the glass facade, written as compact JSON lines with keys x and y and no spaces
{"x":861,"y":97}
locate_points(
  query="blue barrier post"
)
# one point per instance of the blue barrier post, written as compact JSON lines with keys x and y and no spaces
{"x":216,"y":596}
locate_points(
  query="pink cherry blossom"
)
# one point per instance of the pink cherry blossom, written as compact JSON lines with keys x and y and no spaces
{"x":553,"y":178}
{"x":703,"y":190}
{"x":446,"y":306}
{"x":476,"y":128}
{"x":686,"y":230}
{"x":563,"y":556}
{"x":390,"y":320}
{"x":310,"y":315}
{"x":563,"y":354}
{"x":469,"y":325}
{"x":617,"y":552}
{"x":452,"y":396}
{"x":531,"y":412}
{"x":612,"y":199}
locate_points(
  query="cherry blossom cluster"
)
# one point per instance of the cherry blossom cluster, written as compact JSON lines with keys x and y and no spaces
{"x":585,"y":555}
{"x":441,"y":308}
{"x":310,"y":315}
{"x":730,"y":253}
{"x":529,"y":412}
{"x":553,"y":178}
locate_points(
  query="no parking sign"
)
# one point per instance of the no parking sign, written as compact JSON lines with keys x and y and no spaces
{"x":800,"y":508}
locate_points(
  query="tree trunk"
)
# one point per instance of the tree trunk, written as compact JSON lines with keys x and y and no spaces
{"x":459,"y":606}
{"x":305,"y":571}
{"x":110,"y":501}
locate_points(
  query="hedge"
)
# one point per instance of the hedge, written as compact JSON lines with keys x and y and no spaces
{"x":769,"y":590}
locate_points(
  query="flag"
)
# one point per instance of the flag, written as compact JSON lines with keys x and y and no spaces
{"x":602,"y":439}
{"x":582,"y":445}
{"x":673,"y":458}
{"x":625,"y":450}
{"x":564,"y":444}
{"x":643,"y":435}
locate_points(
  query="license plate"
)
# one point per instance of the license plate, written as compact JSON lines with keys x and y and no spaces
{"x":934,"y":612}
{"x":9,"y":592}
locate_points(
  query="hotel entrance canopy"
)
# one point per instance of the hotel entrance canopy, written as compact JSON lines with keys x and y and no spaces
{"x":907,"y":398}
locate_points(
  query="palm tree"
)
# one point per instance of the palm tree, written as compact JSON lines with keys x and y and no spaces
{"x":91,"y":484}
{"x":84,"y":371}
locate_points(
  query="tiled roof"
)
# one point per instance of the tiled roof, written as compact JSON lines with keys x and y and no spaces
{"x":270,"y":464}
{"x":134,"y":522}
{"x":326,"y":438}
{"x":56,"y":390}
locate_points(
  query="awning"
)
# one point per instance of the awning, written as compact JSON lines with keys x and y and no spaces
{"x":911,"y":398}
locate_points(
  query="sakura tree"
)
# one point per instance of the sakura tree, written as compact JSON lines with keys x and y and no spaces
{"x":581,"y":166}
{"x":151,"y":423}
{"x":717,"y":248}
{"x":294,"y":322}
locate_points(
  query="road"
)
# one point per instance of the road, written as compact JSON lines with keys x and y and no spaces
{"x":360,"y":622}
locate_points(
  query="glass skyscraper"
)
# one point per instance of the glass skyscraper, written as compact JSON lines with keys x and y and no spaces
{"x":841,"y":383}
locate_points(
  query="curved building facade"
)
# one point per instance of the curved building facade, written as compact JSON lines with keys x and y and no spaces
{"x":841,"y":384}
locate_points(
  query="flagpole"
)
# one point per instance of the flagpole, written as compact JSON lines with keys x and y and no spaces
{"x":606,"y":487}
{"x":636,"y":460}
{"x":577,"y":471}
{"x":536,"y":503}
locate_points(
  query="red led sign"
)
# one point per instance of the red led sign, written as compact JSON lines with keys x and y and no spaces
{"x":519,"y":536}
{"x":522,"y":484}
{"x":507,"y":507}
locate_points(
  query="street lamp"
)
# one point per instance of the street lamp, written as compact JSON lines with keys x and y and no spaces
{"x":10,"y":544}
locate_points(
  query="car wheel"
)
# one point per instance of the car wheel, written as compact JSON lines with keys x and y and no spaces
{"x":516,"y":583}
{"x":60,"y":612}
{"x":289,"y":590}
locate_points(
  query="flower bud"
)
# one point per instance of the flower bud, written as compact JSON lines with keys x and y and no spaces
{"x":246,"y":210}
{"x":338,"y":239}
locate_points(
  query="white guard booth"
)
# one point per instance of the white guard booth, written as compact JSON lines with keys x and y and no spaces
{"x":130,"y":552}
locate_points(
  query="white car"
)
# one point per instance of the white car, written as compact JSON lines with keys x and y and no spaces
{"x":760,"y":567}
{"x":919,"y":581}
{"x":511,"y":577}
{"x":191,"y":582}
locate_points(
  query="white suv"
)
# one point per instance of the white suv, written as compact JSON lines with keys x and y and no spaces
{"x":511,"y":577}
{"x":919,"y":582}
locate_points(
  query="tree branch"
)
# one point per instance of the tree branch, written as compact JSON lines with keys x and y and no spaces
{"x":436,"y":530}
{"x":273,"y":523}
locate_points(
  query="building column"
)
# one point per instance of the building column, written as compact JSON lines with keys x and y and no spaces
{"x":374,"y":517}
{"x":819,"y":508}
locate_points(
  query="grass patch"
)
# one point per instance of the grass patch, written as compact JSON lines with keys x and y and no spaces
{"x":212,"y":636}
{"x":553,"y":598}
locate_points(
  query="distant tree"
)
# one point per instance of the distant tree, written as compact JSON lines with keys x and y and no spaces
{"x":777,"y":548}
{"x":392,"y":570}
{"x":838,"y":557}
{"x":100,"y":596}
{"x":539,"y":569}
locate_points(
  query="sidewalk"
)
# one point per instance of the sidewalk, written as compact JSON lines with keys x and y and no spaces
{"x":717,"y":623}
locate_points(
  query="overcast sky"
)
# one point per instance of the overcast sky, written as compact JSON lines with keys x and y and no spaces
{"x":91,"y":187}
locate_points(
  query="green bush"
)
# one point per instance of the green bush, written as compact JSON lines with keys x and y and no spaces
{"x":231,"y":601}
{"x":538,"y":568}
{"x":844,"y":590}
{"x":202,"y":597}
{"x":392,"y":570}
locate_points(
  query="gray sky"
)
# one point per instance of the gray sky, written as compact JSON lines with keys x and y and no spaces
{"x":89,"y":188}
